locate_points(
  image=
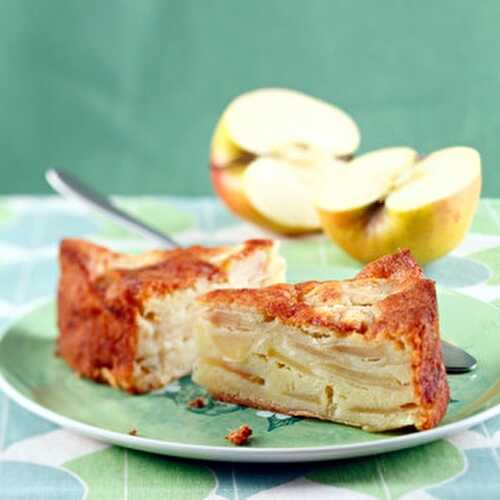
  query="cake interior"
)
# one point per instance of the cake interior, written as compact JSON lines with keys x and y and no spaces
{"x":166,"y":328}
{"x":307,"y":370}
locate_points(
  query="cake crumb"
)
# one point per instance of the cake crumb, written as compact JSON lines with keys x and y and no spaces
{"x":197,"y":403}
{"x":240,"y":436}
{"x":133,"y":432}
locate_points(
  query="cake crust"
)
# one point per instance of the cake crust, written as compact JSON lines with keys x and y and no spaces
{"x":390,"y":300}
{"x":101,"y":293}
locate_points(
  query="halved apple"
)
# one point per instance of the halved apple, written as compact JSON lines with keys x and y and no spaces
{"x":387,"y":200}
{"x":270,"y":151}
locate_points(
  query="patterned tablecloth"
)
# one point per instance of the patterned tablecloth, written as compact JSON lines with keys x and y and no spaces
{"x":40,"y":460}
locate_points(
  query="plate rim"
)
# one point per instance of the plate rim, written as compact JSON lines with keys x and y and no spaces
{"x":239,"y":454}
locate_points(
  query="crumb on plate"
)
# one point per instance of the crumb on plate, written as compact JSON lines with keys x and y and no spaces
{"x":240,"y":435}
{"x":197,"y":403}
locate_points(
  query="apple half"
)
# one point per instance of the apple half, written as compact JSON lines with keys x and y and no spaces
{"x":390,"y":199}
{"x":270,"y":151}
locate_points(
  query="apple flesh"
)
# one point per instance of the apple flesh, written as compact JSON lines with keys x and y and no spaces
{"x":228,"y":184}
{"x":266,"y":119}
{"x":282,"y":191}
{"x":269,"y":154}
{"x":376,"y":206}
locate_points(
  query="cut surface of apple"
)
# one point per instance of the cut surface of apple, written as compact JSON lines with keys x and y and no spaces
{"x":292,"y":135}
{"x":266,"y":119}
{"x":283,"y":192}
{"x":387,"y":200}
{"x":365,"y":180}
{"x":228,"y":183}
{"x":438,"y":176}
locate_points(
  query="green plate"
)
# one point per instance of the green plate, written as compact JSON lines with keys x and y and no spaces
{"x":34,"y":377}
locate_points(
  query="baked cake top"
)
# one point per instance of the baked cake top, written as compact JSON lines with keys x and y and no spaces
{"x":165,"y":271}
{"x":390,"y":297}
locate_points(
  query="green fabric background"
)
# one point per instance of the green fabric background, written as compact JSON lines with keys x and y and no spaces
{"x":126,"y":93}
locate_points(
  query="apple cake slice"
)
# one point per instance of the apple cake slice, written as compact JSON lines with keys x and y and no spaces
{"x":126,"y":319}
{"x":364,"y":352}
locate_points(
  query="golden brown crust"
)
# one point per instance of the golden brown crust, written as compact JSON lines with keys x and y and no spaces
{"x":389,"y":299}
{"x":413,"y":314}
{"x":95,"y":339}
{"x":323,"y":304}
{"x":101,"y":292}
{"x":400,"y":265}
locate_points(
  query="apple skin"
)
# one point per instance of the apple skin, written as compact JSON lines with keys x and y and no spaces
{"x":223,"y":151}
{"x":429,"y":232}
{"x":228,"y":184}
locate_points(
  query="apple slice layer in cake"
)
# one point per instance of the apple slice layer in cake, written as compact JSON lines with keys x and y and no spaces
{"x":364,"y":352}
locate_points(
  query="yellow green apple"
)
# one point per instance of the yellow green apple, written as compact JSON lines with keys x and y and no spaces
{"x":390,"y":199}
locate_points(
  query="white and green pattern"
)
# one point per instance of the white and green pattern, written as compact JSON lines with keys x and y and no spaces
{"x":40,"y":460}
